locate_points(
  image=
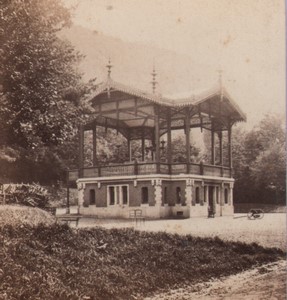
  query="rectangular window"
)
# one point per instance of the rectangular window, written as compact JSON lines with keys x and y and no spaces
{"x":197,"y":195}
{"x":178,"y":195}
{"x":217,"y":195}
{"x":118,"y":195}
{"x":92,"y":197}
{"x":144,"y":195}
{"x":165,"y":195}
{"x":112,"y":195}
{"x":226,"y":196}
{"x":125,"y":194}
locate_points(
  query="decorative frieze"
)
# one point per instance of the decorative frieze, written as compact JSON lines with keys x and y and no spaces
{"x":156,"y":182}
{"x":189,"y":182}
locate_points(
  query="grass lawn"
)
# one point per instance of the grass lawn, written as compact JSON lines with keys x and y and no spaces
{"x":58,"y":262}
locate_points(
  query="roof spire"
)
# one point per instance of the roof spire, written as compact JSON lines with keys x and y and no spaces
{"x":109,"y":67}
{"x":220,"y":83}
{"x":154,"y":82}
{"x":220,"y":77}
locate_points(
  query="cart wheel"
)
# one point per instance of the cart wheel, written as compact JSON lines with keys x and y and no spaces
{"x":261,"y":213}
{"x":250,"y":215}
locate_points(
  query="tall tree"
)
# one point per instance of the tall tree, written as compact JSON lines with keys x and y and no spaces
{"x":260,"y":162}
{"x":39,"y":88}
{"x":37,"y":71}
{"x":269,"y":166}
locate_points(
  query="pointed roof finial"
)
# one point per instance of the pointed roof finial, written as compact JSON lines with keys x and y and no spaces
{"x":220,"y":77}
{"x":220,"y":83}
{"x":154,"y":82}
{"x":109,"y":67}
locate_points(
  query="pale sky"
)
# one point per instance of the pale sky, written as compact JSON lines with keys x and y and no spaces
{"x":245,"y":38}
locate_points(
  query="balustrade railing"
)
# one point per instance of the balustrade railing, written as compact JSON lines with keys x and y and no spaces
{"x":146,"y":168}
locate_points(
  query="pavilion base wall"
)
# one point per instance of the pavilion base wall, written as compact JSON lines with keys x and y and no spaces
{"x":157,"y":196}
{"x":199,"y":211}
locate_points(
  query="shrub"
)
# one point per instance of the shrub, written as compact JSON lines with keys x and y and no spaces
{"x":25,"y":194}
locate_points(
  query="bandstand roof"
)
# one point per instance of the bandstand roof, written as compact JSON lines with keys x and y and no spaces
{"x":132,"y":111}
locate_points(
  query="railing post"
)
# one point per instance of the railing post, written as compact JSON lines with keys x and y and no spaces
{"x":170,"y":169}
{"x":136,"y":168}
{"x":201,"y":168}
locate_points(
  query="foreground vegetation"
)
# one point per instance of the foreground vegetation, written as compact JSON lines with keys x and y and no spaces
{"x":57,"y":262}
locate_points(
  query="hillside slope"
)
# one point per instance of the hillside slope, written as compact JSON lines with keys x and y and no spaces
{"x":57,"y":262}
{"x":133,"y":62}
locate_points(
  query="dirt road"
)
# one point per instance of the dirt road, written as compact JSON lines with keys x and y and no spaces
{"x":262,"y":283}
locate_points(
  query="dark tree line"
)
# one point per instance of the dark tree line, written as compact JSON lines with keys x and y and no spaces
{"x":259,"y":162}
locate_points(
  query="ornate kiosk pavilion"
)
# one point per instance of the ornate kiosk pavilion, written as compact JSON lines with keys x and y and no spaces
{"x":160,"y":188}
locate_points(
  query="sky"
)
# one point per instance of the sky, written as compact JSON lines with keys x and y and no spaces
{"x":245,"y":39}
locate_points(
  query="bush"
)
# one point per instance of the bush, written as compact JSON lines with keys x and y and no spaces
{"x":58,"y":262}
{"x":25,"y":194}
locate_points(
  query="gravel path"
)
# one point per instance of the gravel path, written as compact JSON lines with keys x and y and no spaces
{"x":264,"y":283}
{"x":269,"y":231}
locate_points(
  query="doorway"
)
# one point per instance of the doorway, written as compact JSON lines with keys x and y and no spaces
{"x":211,"y":202}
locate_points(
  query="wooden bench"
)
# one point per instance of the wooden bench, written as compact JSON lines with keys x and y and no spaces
{"x":68,"y":219}
{"x":137,"y":215}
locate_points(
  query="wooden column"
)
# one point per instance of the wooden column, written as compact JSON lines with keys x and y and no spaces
{"x":157,"y":142}
{"x":187,"y":138}
{"x":81,"y":150}
{"x":129,"y":149}
{"x":143,"y":146}
{"x":95,"y":160}
{"x":169,"y":146}
{"x":230,"y":146}
{"x":153,"y":146}
{"x":212,"y":146}
{"x":220,"y":148}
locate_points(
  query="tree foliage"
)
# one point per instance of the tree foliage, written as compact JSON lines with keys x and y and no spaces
{"x":260,"y":162}
{"x":37,"y":74}
{"x":258,"y":158}
{"x":40,"y":89}
{"x":179,"y":150}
